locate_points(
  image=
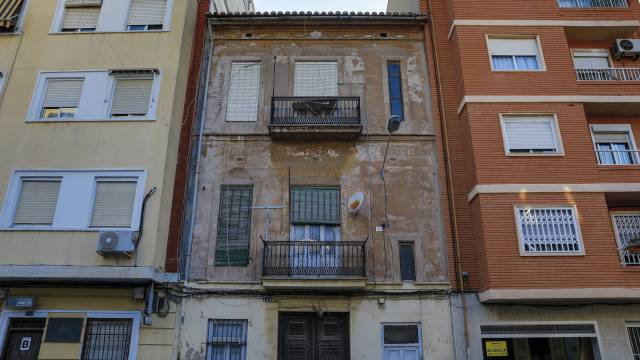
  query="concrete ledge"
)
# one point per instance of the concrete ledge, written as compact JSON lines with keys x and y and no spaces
{"x":560,"y":295}
{"x":314,"y":284}
{"x":102,"y":274}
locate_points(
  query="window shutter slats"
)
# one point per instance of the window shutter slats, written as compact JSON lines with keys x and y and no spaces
{"x":234,"y":226}
{"x":504,"y":46}
{"x":82,"y":3}
{"x":113,"y":204}
{"x":63,"y":93}
{"x":147,"y":12}
{"x":615,"y":138}
{"x":132,"y":97}
{"x":530,"y":135}
{"x":317,"y":206}
{"x":316,"y":79}
{"x":37,"y":202}
{"x":244,"y":92}
{"x":81,"y":17}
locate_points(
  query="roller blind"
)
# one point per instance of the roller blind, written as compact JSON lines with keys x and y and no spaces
{"x":317,"y":206}
{"x":147,"y":12}
{"x":81,"y":18}
{"x":591,"y":59}
{"x":37,"y":202}
{"x":63,"y":93}
{"x":316,"y":79}
{"x":611,"y":137}
{"x":82,"y":3}
{"x":113,"y":203}
{"x":524,"y":133}
{"x":244,"y":91}
{"x":131,"y":97}
{"x":505,"y":46}
{"x":234,"y":226}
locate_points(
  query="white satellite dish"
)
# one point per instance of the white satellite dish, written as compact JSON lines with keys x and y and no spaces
{"x":355,"y":202}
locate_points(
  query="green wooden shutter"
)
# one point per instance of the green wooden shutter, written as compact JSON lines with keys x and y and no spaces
{"x":315,"y":205}
{"x":234,"y":226}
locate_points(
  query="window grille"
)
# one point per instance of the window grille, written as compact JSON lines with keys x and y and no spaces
{"x":549,"y":230}
{"x":634,"y":338}
{"x":234,"y":226}
{"x":37,"y":202}
{"x":316,"y":79}
{"x":244,"y":92}
{"x":107,"y":339}
{"x":628,"y":233}
{"x":227,"y":340}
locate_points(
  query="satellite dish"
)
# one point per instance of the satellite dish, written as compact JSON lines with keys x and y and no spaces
{"x":355,"y":202}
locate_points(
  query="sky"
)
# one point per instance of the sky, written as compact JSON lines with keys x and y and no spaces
{"x":321,"y":5}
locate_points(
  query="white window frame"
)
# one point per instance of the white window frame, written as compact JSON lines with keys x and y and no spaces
{"x":420,"y":340}
{"x":95,"y":99}
{"x":556,"y":133}
{"x":542,"y":67}
{"x":576,"y":215}
{"x":594,"y":129}
{"x":114,"y":16}
{"x":135,"y":316}
{"x":604,"y":53}
{"x":75,"y":208}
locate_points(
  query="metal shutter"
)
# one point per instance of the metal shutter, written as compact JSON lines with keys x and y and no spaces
{"x":147,"y":12}
{"x":316,"y":79}
{"x":113,"y":204}
{"x":244,"y":91}
{"x":513,"y":46}
{"x":317,"y":206}
{"x":234,"y":226}
{"x":81,"y":17}
{"x":131,"y":97}
{"x":530,"y":133}
{"x":37,"y":202}
{"x":61,"y":93}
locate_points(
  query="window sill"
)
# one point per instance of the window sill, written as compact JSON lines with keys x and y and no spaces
{"x":11,"y":33}
{"x":535,"y":155}
{"x":109,"y":120}
{"x":107,"y":32}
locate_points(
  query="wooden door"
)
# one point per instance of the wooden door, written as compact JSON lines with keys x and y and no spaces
{"x":310,"y":337}
{"x":24,"y":337}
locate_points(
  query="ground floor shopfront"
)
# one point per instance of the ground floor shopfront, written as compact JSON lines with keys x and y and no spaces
{"x":317,"y":327}
{"x":546,"y":332}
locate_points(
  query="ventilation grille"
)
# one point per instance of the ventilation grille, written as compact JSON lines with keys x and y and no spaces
{"x":586,"y":329}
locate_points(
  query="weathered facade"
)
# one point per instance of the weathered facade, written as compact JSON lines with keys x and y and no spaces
{"x":295,"y":120}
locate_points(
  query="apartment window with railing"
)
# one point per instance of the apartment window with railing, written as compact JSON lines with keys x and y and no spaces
{"x":614,"y":145}
{"x":548,"y":230}
{"x":515,"y":53}
{"x":227,"y":340}
{"x":627,"y":228}
{"x":596,"y":65}
{"x":593,"y":3}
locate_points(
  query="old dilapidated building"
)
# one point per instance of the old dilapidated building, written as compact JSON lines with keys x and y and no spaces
{"x":317,"y":231}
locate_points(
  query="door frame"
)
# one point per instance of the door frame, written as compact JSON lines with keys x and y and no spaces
{"x":345,"y":315}
{"x":6,"y":335}
{"x":420,"y":338}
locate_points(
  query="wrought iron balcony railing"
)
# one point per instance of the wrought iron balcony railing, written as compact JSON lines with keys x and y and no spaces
{"x":593,"y":3}
{"x":609,"y":74}
{"x":627,"y":228}
{"x":315,"y":259}
{"x":315,"y":111}
{"x":618,"y":157}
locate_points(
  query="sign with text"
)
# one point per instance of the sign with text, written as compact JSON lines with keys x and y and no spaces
{"x":496,"y":348}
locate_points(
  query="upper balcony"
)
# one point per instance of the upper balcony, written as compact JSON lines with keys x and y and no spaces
{"x":592,"y":4}
{"x":337,"y":116}
{"x":608,"y":74}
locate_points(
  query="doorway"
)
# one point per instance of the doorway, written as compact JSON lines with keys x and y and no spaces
{"x":308,"y":336}
{"x":24,"y":337}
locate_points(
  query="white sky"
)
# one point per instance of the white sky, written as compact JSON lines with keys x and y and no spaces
{"x":321,"y":5}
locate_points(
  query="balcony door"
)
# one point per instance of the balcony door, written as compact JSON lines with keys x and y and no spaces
{"x":314,"y":246}
{"x":310,"y":336}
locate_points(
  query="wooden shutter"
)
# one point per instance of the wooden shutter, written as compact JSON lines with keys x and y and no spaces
{"x":317,"y":206}
{"x":37,"y":202}
{"x":147,"y":12}
{"x":81,"y":17}
{"x":234,"y":226}
{"x":63,"y":93}
{"x":113,"y":203}
{"x":131,"y":97}
{"x":9,"y":13}
{"x":530,"y":133}
{"x":316,"y":79}
{"x":244,"y":92}
{"x":515,"y":46}
{"x":407,"y":265}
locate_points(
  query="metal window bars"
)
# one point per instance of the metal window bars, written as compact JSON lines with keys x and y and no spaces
{"x":627,"y":228}
{"x":315,"y":111}
{"x":107,"y":339}
{"x":227,"y":339}
{"x":593,"y":3}
{"x":618,"y":157}
{"x":608,"y":74}
{"x":634,"y":338}
{"x":549,"y":230}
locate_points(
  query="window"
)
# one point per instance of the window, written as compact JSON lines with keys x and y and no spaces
{"x":227,"y":340}
{"x":37,"y":201}
{"x":81,"y":15}
{"x":407,"y":262}
{"x":80,"y":96}
{"x":234,"y":226}
{"x":401,"y":341}
{"x":61,"y":98}
{"x":627,"y":227}
{"x":515,"y":54}
{"x":591,"y":59}
{"x":244,"y":92}
{"x":10,"y":15}
{"x":395,"y":88}
{"x":316,"y":79}
{"x":107,"y":339}
{"x":74,"y":200}
{"x":634,"y":337}
{"x":614,"y":145}
{"x":531,"y":134}
{"x":552,"y":230}
{"x":146,"y":15}
{"x":1,"y":82}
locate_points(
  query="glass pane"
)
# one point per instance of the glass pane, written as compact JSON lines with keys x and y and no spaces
{"x":401,"y":334}
{"x":314,"y":232}
{"x":298,"y":233}
{"x":526,"y":62}
{"x":503,"y":62}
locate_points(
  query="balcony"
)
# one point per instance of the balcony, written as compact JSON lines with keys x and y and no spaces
{"x":314,"y":264}
{"x":590,"y":4}
{"x":316,"y":115}
{"x":618,"y":157}
{"x":627,"y":227}
{"x":608,"y":74}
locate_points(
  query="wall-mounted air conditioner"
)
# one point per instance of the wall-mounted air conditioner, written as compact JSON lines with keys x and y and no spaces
{"x":117,"y":243}
{"x":627,"y":48}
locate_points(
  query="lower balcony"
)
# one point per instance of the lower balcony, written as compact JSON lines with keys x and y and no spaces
{"x":608,"y":74}
{"x":314,"y":264}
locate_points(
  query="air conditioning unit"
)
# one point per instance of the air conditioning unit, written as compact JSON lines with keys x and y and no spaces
{"x":627,"y":48}
{"x":117,"y":243}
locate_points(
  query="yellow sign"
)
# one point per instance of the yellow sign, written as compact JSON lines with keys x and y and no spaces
{"x":496,"y":348}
